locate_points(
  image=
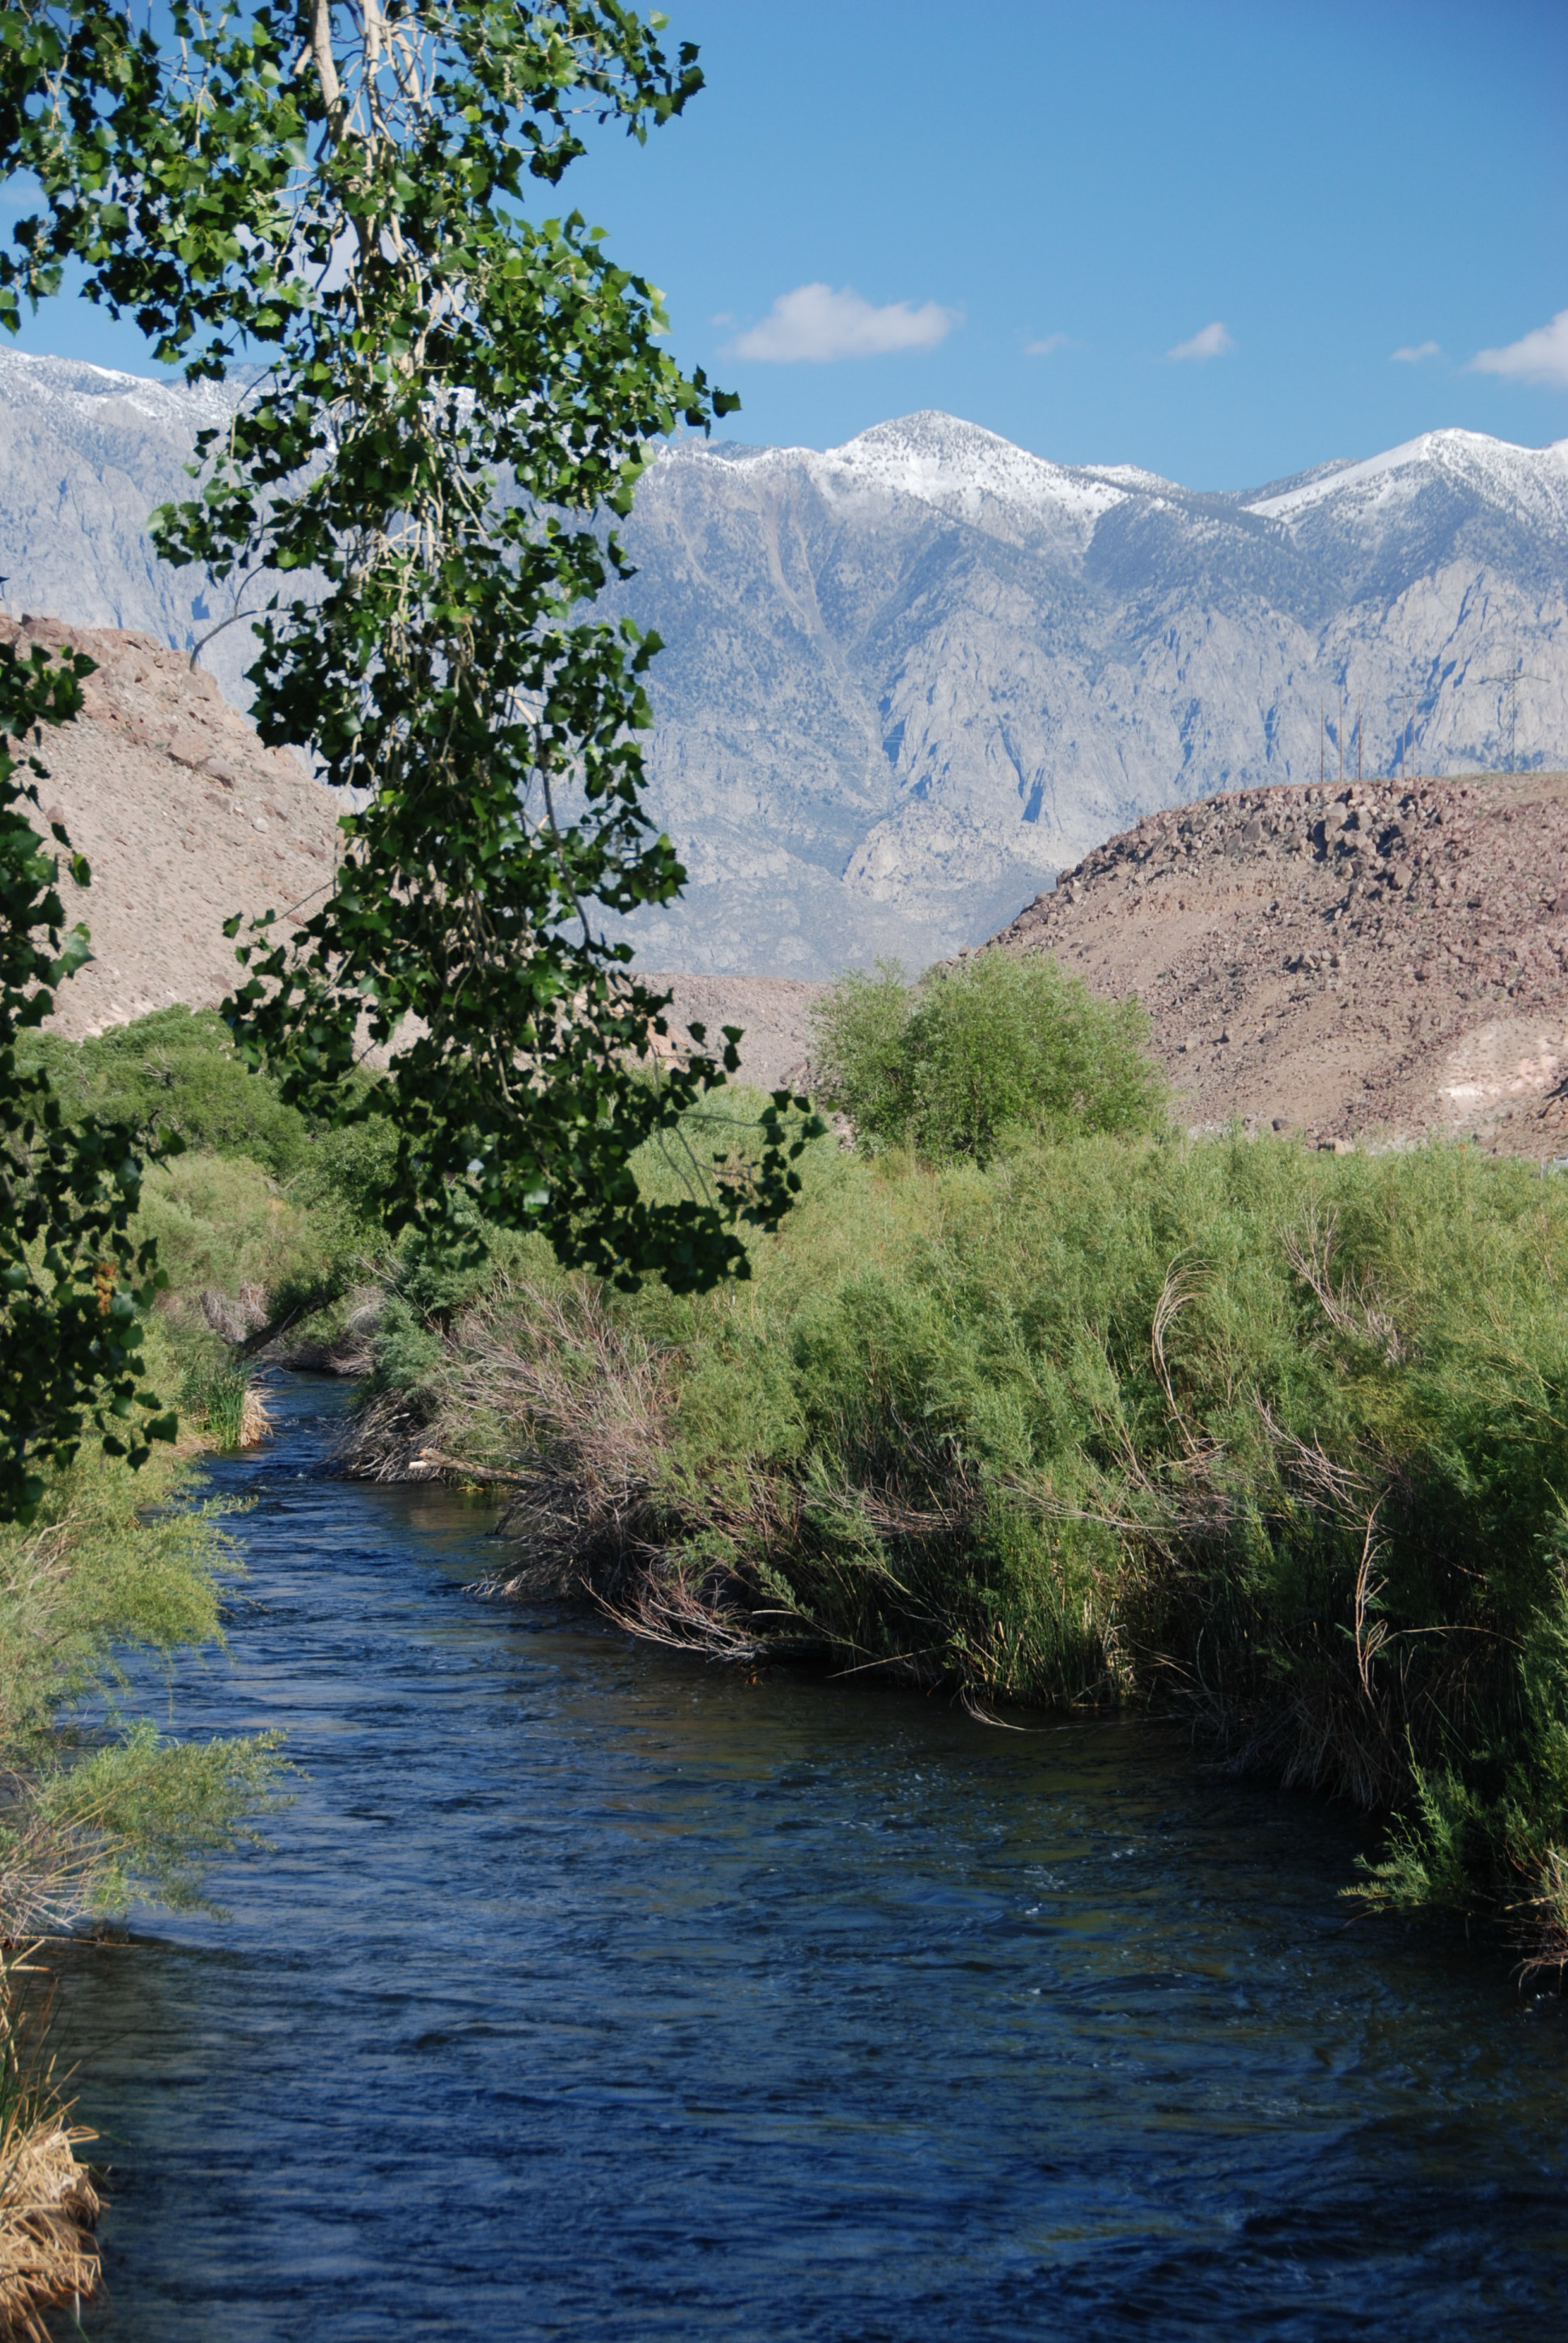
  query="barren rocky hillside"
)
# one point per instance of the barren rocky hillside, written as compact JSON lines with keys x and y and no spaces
{"x":1372,"y":960}
{"x":1347,"y":961}
{"x":185,"y":819}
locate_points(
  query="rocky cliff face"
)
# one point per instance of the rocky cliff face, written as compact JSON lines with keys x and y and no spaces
{"x":908,"y":679}
{"x":925,"y":671}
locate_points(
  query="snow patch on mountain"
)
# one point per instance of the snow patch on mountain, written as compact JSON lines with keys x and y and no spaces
{"x":956,"y":468}
{"x":1491,"y":470}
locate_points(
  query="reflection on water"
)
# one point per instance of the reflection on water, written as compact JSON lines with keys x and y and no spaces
{"x":591,"y":1993}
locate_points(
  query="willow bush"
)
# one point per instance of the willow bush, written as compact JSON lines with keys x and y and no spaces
{"x":1273,"y":1437}
{"x":100,"y":1806}
{"x":981,"y":1052}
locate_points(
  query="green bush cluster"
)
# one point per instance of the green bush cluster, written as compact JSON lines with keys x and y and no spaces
{"x":982,"y":1054}
{"x":260,"y":1197}
{"x":100,"y":1804}
{"x":176,"y":1070}
{"x":1278,"y":1437}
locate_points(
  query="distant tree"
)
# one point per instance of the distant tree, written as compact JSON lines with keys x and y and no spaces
{"x":996,"y":1048}
{"x":458,"y":399}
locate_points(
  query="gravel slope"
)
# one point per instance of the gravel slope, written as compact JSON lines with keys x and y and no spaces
{"x":1372,"y":960}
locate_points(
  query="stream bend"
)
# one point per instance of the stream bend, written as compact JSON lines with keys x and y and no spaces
{"x":592,"y":1993}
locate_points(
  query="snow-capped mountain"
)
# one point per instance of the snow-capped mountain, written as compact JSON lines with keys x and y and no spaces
{"x":931,"y":669}
{"x":909,"y":679}
{"x":85,"y":455}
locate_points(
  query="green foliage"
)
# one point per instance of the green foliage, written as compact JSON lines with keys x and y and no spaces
{"x":99,"y":1804}
{"x":260,"y":1198}
{"x":146,"y":1815}
{"x":214,"y":1393}
{"x":980,"y":1055}
{"x":73,"y":1281}
{"x":457,"y":396}
{"x":176,"y":1070}
{"x":1276,"y":1436}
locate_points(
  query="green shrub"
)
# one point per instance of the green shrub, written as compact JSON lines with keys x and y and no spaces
{"x":1275,"y":1437}
{"x":979,"y":1055}
{"x":99,"y":1804}
{"x":176,"y":1070}
{"x":221,"y":1220}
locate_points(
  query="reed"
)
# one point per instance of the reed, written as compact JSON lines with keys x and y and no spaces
{"x":228,"y":1406}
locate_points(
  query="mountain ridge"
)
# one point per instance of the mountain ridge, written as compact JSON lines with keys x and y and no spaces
{"x":909,"y":679}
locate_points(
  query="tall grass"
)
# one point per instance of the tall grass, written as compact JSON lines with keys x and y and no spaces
{"x":227,"y":1404}
{"x":99,"y":1805}
{"x":1276,"y":1437}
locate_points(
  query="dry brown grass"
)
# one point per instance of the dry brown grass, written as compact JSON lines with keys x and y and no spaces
{"x":48,"y":2206}
{"x":255,"y":1425}
{"x":591,"y":1401}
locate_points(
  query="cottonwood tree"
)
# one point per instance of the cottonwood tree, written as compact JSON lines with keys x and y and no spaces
{"x":459,"y":397}
{"x":73,"y":1280}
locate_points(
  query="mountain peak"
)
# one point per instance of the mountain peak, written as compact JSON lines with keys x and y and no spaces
{"x":972,"y":473}
{"x":1492,"y":468}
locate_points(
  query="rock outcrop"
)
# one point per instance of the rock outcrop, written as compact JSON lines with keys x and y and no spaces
{"x":1369,"y":961}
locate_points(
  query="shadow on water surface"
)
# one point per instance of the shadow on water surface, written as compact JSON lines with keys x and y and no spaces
{"x":592,"y":1993}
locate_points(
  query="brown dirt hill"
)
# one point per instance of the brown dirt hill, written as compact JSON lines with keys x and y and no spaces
{"x":774,"y":1012}
{"x":185,"y":819}
{"x":1374,"y":960}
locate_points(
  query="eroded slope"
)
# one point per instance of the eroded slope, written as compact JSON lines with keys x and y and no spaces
{"x":1373,"y":959}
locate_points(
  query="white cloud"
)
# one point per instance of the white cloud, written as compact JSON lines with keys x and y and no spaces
{"x":1044,"y":349}
{"x":1213,"y":342}
{"x":1413,"y":353}
{"x":1540,"y":357}
{"x":816,"y":323}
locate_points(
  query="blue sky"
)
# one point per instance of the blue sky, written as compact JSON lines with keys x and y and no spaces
{"x":1018,"y":212}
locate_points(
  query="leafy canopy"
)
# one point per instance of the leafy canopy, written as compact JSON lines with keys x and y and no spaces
{"x":459,"y":398}
{"x":995,"y":1047}
{"x":73,"y":1281}
{"x":457,"y":402}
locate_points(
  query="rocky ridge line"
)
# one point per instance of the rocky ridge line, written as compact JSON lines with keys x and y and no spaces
{"x":1350,"y":961}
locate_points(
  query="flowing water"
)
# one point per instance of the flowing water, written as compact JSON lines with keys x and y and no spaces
{"x":593,"y":1993}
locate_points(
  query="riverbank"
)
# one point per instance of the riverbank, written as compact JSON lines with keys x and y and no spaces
{"x":1216,"y":1438}
{"x":105,"y":1802}
{"x":1269,"y":1439}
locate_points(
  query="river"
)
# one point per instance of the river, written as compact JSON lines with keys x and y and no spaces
{"x":592,"y":1992}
